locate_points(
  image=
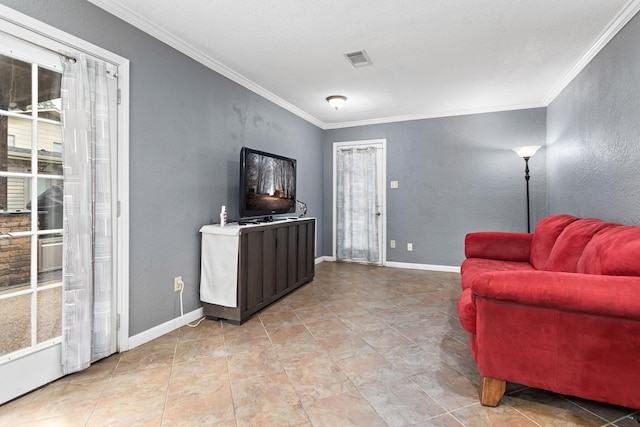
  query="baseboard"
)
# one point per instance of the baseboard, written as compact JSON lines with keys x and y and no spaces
{"x":408,"y":265}
{"x":165,"y":328}
{"x":429,"y":267}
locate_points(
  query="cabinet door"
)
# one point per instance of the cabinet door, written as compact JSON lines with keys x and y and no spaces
{"x":269,"y":276}
{"x":292,"y":256}
{"x":302,"y":253}
{"x":253,"y":269}
{"x":282,"y":256}
{"x":260,"y":268}
{"x":306,"y":245}
{"x":311,"y":249}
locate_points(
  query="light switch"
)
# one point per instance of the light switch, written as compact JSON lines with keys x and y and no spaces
{"x":394,"y":184}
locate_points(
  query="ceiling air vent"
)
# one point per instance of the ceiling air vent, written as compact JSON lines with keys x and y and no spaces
{"x":358,"y":59}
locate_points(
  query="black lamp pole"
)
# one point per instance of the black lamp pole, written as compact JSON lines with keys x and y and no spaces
{"x":526,"y":178}
{"x":526,"y":153}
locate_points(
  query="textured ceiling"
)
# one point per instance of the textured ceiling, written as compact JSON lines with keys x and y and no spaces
{"x":430,"y":58}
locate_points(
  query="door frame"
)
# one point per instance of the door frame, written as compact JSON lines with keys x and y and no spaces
{"x":44,"y":36}
{"x":382,"y":179}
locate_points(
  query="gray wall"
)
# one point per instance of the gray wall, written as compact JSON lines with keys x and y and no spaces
{"x":593,"y":156}
{"x":456,"y":175}
{"x":187,"y":124}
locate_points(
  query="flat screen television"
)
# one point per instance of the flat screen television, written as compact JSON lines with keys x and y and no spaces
{"x":267,"y":184}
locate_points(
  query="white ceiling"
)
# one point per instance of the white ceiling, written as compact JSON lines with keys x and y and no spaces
{"x":430,"y":58}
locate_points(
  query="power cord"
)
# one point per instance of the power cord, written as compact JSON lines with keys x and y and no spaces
{"x":182,"y":309}
{"x":303,"y":208}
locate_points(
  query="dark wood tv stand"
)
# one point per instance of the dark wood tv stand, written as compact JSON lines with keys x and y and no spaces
{"x":273,"y":259}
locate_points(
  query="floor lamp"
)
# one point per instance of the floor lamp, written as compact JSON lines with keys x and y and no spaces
{"x":526,"y":153}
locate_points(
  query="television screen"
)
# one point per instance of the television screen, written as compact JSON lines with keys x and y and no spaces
{"x":267,"y":184}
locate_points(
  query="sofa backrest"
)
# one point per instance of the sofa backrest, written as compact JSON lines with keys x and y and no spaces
{"x":545,"y":236}
{"x":586,"y":245}
{"x":571,"y":242}
{"x":613,"y":251}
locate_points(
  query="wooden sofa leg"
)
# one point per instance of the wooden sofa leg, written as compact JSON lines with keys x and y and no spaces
{"x":491,"y":391}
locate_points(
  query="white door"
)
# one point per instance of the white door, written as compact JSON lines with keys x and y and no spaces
{"x":31,"y":191}
{"x":359,"y":204}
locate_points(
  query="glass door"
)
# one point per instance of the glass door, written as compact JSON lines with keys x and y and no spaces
{"x":31,"y":214}
{"x":359,"y":201}
{"x":31,"y":189}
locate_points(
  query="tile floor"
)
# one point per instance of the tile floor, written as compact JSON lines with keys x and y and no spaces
{"x":358,"y":346}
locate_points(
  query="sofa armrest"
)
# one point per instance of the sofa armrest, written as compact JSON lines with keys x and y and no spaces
{"x":617,"y":296}
{"x":498,"y":245}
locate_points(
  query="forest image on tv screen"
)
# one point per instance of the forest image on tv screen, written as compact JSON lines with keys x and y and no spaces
{"x":270,"y":184}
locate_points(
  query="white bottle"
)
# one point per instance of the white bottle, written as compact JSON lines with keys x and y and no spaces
{"x":223,"y":216}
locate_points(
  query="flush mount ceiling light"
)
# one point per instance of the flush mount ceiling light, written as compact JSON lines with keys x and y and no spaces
{"x":336,"y":101}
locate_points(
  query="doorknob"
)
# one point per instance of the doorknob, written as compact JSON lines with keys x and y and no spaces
{"x":378,"y":214}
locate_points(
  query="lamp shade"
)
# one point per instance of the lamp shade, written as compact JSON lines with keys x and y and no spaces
{"x":527,"y":151}
{"x":336,"y":101}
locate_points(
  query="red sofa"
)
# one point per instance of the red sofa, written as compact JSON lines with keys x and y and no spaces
{"x":558,"y":309}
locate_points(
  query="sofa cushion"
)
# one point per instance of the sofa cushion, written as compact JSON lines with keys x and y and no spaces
{"x":571,"y":243}
{"x":473,"y":267}
{"x":614,"y":251}
{"x":544,"y":237}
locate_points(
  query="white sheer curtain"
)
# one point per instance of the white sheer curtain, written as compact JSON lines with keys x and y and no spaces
{"x":357,"y":205}
{"x":87,"y":262}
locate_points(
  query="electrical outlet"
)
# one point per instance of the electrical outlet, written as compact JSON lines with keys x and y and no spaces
{"x":177,"y":284}
{"x":409,"y":247}
{"x":394,"y":184}
{"x":392,"y":244}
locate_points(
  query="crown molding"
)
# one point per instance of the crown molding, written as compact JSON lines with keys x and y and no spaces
{"x":164,"y":36}
{"x":616,"y":24}
{"x":450,"y":113}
